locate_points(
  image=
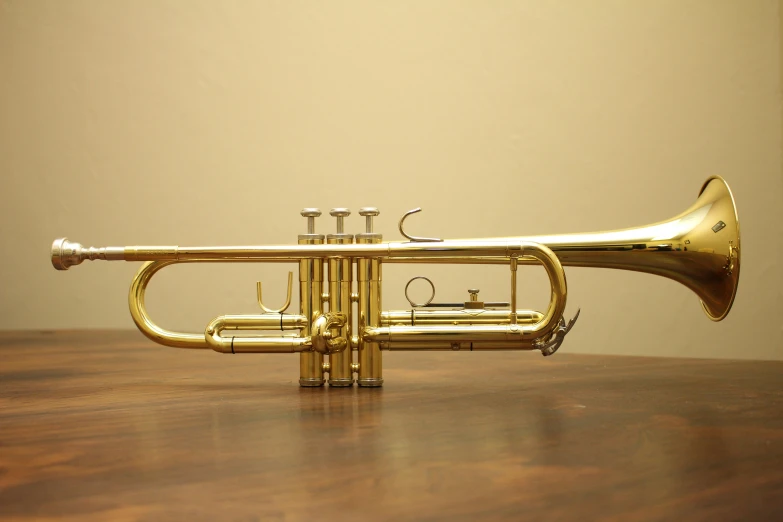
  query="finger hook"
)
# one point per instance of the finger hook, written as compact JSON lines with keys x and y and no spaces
{"x":414,"y":239}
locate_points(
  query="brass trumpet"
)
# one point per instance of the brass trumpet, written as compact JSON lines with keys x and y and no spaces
{"x":699,"y":248}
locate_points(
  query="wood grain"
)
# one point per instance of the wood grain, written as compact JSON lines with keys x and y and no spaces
{"x":105,"y":425}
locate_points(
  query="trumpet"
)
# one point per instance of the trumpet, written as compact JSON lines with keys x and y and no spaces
{"x":700,"y":248}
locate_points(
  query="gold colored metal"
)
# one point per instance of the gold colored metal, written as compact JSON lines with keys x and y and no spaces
{"x":322,"y":339}
{"x":340,"y":285}
{"x":287,"y":299}
{"x":525,"y":335}
{"x":513,"y":266}
{"x":368,"y":273}
{"x":699,"y":248}
{"x":462,"y":316}
{"x":138,"y":310}
{"x":474,"y":304}
{"x":311,"y":272}
{"x":428,"y":301}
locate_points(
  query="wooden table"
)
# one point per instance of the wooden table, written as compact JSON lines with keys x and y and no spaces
{"x":105,"y":425}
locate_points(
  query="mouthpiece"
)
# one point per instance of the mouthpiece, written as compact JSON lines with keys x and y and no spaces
{"x":65,"y":253}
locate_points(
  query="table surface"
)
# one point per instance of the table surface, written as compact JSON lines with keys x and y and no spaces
{"x":106,"y":425}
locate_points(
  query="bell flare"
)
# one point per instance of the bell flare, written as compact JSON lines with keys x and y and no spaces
{"x":719,"y":236}
{"x":699,"y":248}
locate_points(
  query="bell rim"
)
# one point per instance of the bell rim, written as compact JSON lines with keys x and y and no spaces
{"x":736,"y":272}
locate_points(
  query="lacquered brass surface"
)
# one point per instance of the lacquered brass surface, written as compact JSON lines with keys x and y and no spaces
{"x":287,"y":298}
{"x":138,"y":310}
{"x":311,"y":277}
{"x":340,"y":287}
{"x":464,"y":316}
{"x":368,"y":275}
{"x":699,"y":248}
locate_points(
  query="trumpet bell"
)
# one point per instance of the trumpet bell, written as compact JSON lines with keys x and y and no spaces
{"x":717,"y":236}
{"x":699,"y":248}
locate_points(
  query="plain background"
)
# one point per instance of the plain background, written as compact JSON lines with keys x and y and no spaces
{"x":214,"y":123}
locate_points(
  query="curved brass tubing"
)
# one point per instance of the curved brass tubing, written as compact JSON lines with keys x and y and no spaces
{"x":211,"y":337}
{"x":525,"y":333}
{"x":257,"y":344}
{"x":142,"y":319}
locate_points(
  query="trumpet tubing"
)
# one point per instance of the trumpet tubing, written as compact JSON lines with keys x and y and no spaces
{"x":700,"y":248}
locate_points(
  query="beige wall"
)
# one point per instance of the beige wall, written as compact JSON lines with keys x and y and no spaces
{"x":215,"y":122}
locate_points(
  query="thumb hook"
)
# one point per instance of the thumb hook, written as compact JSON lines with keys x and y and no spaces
{"x":287,"y":299}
